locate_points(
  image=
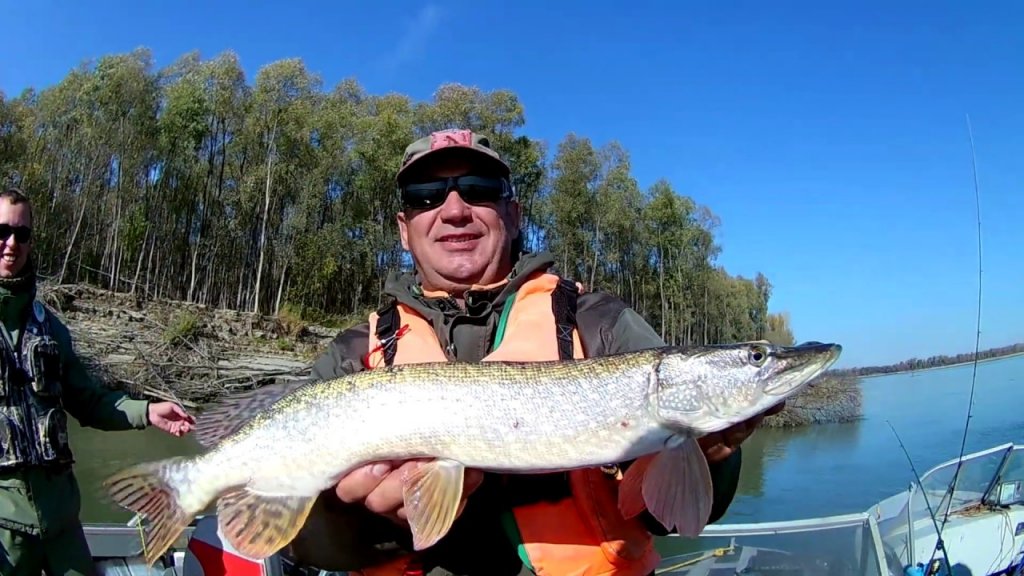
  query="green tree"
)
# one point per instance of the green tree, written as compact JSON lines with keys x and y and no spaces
{"x":191,"y":182}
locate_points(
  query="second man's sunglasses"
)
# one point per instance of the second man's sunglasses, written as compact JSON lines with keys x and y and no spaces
{"x":21,"y":233}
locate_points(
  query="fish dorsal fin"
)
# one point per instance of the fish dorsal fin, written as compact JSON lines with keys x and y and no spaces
{"x":228,"y":415}
{"x":258,"y":525}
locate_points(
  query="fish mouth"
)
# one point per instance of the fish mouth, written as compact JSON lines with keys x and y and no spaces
{"x":800,"y":364}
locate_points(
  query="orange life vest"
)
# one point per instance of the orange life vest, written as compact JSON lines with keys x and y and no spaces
{"x":581,"y":535}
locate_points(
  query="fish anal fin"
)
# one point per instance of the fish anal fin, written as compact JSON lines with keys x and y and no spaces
{"x":677,"y":489}
{"x":432,"y":493}
{"x":228,"y":415}
{"x":631,"y":497}
{"x":258,"y":525}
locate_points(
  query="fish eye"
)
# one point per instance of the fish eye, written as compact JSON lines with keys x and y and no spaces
{"x":758,"y":355}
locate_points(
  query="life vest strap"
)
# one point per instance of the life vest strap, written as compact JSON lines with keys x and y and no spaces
{"x":563,"y":306}
{"x":387,"y":328}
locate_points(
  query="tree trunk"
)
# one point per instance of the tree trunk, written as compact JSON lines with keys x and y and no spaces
{"x":266,"y":216}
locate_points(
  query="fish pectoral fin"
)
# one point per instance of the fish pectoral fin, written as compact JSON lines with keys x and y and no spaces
{"x":631,"y":496}
{"x":258,"y":525}
{"x":432,"y":493}
{"x":677,"y":489}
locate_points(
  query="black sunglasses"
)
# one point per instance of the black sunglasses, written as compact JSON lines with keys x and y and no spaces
{"x":21,"y":233}
{"x":472,"y":189}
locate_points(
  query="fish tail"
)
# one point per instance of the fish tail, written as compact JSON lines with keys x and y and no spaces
{"x":164,"y":493}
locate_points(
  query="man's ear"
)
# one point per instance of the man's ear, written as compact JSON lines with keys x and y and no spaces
{"x":515,"y":215}
{"x":403,"y":230}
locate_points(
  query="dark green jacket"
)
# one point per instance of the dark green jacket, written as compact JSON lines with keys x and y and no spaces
{"x":340,"y":537}
{"x":46,"y":501}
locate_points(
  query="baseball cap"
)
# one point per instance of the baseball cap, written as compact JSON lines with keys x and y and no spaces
{"x":455,"y":141}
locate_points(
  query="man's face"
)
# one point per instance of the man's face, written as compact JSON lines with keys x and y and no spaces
{"x":14,"y":219}
{"x":456,"y":244}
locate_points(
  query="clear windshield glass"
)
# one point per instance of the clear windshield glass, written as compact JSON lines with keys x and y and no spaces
{"x":973,"y":481}
{"x":837,"y":546}
{"x":976,"y":477}
{"x":1009,"y":487}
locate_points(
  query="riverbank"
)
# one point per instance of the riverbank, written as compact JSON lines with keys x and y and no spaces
{"x":194,"y":354}
{"x":178,"y":351}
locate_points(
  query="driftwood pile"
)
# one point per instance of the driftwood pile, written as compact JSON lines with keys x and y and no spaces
{"x":178,"y":351}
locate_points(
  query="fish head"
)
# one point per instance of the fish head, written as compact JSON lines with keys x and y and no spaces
{"x":706,"y":389}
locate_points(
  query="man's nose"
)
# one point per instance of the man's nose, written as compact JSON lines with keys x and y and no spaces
{"x":454,"y":207}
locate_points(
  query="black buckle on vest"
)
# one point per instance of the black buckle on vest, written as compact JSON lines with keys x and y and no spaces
{"x":563,"y":306}
{"x":387,"y":329}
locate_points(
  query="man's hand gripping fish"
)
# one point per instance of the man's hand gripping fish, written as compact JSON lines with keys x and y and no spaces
{"x":510,"y":417}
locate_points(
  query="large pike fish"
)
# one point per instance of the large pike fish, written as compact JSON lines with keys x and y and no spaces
{"x":265,"y":472}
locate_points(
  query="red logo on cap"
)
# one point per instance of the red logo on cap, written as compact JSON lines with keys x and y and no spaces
{"x":451,"y":138}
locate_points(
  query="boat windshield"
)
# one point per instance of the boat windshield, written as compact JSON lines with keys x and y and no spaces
{"x":1008,"y":489}
{"x":845,"y":545}
{"x":905,"y":520}
{"x":976,"y":476}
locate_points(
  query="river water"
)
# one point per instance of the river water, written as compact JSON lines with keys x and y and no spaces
{"x":787,"y":473}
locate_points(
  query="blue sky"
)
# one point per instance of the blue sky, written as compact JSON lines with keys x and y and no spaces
{"x":829,"y":137}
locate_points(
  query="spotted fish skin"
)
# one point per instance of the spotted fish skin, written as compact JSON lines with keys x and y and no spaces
{"x":510,"y":417}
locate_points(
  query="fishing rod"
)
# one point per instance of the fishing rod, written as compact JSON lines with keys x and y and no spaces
{"x":927,"y":503}
{"x":977,"y":343}
{"x":939,"y":543}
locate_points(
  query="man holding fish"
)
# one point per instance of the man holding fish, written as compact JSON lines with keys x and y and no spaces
{"x":461,"y":224}
{"x":492,"y":419}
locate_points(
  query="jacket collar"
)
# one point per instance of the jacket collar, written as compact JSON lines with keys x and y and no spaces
{"x":405,"y":287}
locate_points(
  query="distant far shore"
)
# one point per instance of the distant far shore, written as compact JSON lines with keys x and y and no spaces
{"x":835,"y":396}
{"x":941,"y":367}
{"x":932,"y":363}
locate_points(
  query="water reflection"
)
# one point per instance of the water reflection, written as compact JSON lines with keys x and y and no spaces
{"x":842,"y":468}
{"x":99,"y":454}
{"x":769,"y":449}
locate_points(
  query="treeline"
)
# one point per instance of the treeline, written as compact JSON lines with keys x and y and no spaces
{"x":931,"y":362}
{"x":190,"y":183}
